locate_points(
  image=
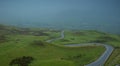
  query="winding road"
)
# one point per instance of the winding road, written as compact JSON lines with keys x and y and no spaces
{"x":100,"y":61}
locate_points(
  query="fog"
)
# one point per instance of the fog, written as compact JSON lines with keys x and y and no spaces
{"x":102,"y":15}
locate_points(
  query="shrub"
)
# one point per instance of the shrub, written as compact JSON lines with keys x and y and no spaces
{"x":103,"y":39}
{"x":2,"y":27}
{"x":75,"y":57}
{"x":40,"y":34}
{"x":108,"y":38}
{"x":3,"y":38}
{"x":99,"y":41}
{"x":21,"y":61}
{"x":78,"y":33}
{"x":64,"y":40}
{"x":38,"y":42}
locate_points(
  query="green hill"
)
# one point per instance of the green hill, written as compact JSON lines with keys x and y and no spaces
{"x":17,"y":42}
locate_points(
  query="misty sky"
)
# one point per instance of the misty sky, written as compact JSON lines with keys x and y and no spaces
{"x":82,"y":12}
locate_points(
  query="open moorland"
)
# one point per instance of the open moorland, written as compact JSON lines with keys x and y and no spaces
{"x":28,"y":46}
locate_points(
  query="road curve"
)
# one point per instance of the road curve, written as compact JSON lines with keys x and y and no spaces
{"x":61,"y":37}
{"x":101,"y":60}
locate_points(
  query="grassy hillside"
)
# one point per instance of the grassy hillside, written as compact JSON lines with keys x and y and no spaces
{"x":17,"y":42}
{"x":73,"y":37}
{"x":46,"y":55}
{"x":90,"y":36}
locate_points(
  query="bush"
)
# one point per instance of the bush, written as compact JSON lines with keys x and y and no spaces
{"x":21,"y":61}
{"x":78,"y":33}
{"x":64,"y":40}
{"x":38,"y":42}
{"x":2,"y":27}
{"x":3,"y":38}
{"x":98,"y":41}
{"x":75,"y":57}
{"x":103,"y":39}
{"x":39,"y":33}
{"x":108,"y":38}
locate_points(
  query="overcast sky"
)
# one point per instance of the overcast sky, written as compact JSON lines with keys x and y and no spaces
{"x":104,"y":13}
{"x":40,"y":10}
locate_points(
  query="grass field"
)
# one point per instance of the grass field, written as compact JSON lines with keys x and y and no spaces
{"x":94,"y":36}
{"x":48,"y":55}
{"x":72,"y":37}
{"x":114,"y":59}
{"x":19,"y":42}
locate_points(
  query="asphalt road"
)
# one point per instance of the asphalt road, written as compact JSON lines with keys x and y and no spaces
{"x":100,"y":61}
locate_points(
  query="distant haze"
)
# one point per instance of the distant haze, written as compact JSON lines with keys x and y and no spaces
{"x":102,"y":15}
